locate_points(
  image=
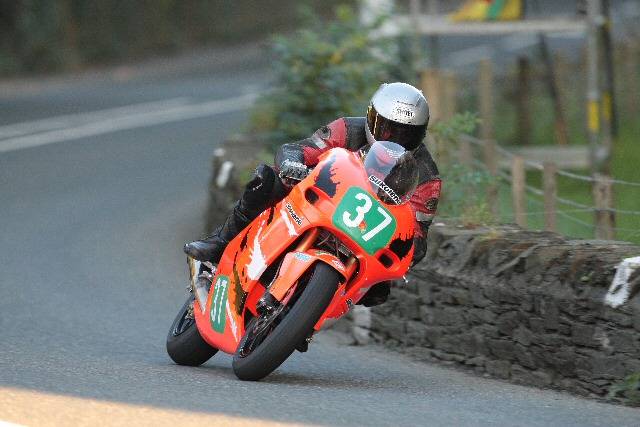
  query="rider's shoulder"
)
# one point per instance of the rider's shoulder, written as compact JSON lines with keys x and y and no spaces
{"x":346,"y":132}
{"x":426,"y":165}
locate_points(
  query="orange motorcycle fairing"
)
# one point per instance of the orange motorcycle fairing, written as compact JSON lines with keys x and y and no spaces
{"x":331,"y":199}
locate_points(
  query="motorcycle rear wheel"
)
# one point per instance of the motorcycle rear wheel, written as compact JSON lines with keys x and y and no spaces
{"x":185,"y":345}
{"x":293,"y":329}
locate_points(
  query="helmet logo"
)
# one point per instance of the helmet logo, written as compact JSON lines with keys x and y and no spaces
{"x":403,"y":112}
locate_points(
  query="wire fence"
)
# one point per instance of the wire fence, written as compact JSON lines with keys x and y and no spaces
{"x":602,"y":210}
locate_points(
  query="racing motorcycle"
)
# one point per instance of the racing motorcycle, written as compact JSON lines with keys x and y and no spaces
{"x":344,"y":227}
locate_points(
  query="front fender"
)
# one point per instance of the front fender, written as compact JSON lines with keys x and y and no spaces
{"x":295,"y":264}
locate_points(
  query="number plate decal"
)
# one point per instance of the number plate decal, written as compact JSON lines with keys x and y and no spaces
{"x":365,"y":220}
{"x":218,"y":314}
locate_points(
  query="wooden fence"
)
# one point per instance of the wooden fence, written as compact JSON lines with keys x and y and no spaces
{"x":441,"y":89}
{"x":602,"y":207}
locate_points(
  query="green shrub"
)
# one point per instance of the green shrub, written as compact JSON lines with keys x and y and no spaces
{"x":628,"y":390}
{"x":464,"y":195}
{"x":324,"y":71}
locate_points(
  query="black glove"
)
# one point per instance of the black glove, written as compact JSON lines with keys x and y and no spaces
{"x":419,"y":249}
{"x":292,"y":172}
{"x":420,"y":243}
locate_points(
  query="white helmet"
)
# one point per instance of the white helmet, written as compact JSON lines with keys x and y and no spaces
{"x":398,"y":112}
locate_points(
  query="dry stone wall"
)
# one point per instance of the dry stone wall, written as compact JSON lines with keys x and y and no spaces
{"x":518,"y":305}
{"x":522,"y":306}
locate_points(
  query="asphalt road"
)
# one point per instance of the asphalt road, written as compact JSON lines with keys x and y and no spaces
{"x":94,"y":210}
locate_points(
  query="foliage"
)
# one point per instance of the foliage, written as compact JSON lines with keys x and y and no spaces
{"x":460,"y":123}
{"x":628,"y":389}
{"x":464,"y":195}
{"x":45,"y":35}
{"x":324,"y":71}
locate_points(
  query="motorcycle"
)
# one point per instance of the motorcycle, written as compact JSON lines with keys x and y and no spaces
{"x":344,"y":227}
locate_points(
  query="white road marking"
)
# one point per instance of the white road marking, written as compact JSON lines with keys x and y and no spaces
{"x":68,"y":120}
{"x":131,"y":121}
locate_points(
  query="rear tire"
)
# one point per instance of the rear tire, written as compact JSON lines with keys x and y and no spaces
{"x":292,"y":330}
{"x":184,"y":342}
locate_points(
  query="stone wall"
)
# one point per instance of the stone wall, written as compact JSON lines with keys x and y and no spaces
{"x":522,"y":306}
{"x":513,"y":304}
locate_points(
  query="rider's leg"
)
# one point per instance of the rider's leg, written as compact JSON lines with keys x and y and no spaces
{"x":264,"y":190}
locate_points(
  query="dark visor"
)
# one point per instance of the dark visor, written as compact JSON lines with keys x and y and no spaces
{"x":409,"y":136}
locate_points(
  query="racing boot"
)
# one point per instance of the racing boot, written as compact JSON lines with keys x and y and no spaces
{"x":264,"y":190}
{"x":212,"y":247}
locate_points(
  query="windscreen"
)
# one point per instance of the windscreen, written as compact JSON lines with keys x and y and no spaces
{"x":392,"y":170}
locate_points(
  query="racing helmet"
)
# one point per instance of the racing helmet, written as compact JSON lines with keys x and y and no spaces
{"x":398,"y":112}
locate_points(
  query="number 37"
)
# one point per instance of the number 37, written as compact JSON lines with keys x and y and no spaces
{"x":361,"y":211}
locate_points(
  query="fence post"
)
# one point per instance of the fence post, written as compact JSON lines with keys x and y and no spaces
{"x":523,"y":95}
{"x":431,"y":85}
{"x":491,"y":162}
{"x":485,"y":95}
{"x":598,"y":153}
{"x":518,"y":182}
{"x":603,"y":200}
{"x":549,"y":171}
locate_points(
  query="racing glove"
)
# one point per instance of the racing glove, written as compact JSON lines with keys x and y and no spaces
{"x":292,"y":172}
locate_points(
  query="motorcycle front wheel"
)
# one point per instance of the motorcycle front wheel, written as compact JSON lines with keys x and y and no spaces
{"x":185,"y":345}
{"x":254,"y":362}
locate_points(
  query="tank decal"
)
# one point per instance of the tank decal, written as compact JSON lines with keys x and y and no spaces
{"x":232,"y":321}
{"x":288,"y":223}
{"x":258,"y":263}
{"x":324,"y":179}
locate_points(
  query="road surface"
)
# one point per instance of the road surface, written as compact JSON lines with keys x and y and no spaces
{"x":100,"y":185}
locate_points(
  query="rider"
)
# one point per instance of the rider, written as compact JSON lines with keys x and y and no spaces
{"x":398,"y":112}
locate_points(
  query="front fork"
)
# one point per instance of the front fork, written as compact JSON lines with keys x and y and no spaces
{"x":200,"y":275}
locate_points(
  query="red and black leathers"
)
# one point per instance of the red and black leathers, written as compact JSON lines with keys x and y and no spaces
{"x":349,"y":133}
{"x":265,"y":189}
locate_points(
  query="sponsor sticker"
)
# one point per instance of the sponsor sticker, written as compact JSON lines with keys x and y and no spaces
{"x":403,"y":113}
{"x":301,"y":256}
{"x":218,"y":315}
{"x":294,"y":216}
{"x":384,"y":187}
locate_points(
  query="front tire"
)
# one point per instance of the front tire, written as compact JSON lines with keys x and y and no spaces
{"x":184,"y":342}
{"x":293,"y":329}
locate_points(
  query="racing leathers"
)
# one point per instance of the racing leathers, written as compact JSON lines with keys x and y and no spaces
{"x":270,"y":185}
{"x":349,"y":133}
